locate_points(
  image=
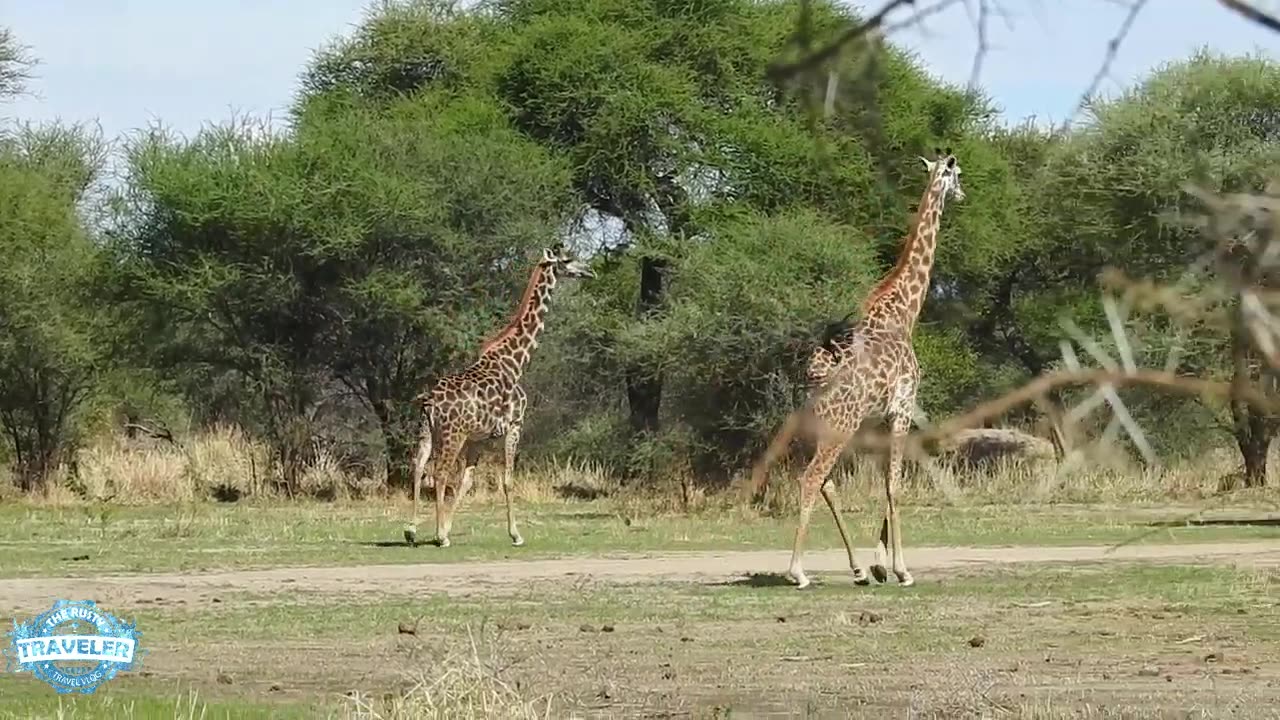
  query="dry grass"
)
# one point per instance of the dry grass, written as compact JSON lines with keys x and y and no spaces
{"x":1102,"y":479}
{"x":223,"y":463}
{"x":128,"y":471}
{"x":113,"y":467}
{"x":225,"y":457}
{"x":220,"y":463}
{"x":469,"y":683}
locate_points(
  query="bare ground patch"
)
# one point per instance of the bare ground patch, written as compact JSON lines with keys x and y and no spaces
{"x":1123,"y":639}
{"x":469,"y":578}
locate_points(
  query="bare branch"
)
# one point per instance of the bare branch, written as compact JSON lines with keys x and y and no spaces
{"x":980,"y":54}
{"x":781,"y":70}
{"x":1252,"y":13}
{"x":1113,"y":49}
{"x":161,"y":434}
{"x":1109,"y":392}
{"x":15,"y":64}
{"x":1158,"y":379}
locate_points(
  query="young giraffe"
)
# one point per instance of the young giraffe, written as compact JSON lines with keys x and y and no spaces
{"x":485,"y":401}
{"x":865,"y":368}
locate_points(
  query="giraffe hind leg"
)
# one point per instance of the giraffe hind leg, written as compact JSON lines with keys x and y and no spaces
{"x":810,"y":481}
{"x":447,"y":466}
{"x":832,"y":496}
{"x":451,"y":506}
{"x":421,"y":460}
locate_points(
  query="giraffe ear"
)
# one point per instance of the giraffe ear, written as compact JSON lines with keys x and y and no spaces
{"x":928,"y":164}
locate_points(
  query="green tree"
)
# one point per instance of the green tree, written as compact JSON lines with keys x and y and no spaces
{"x":365,"y":253}
{"x":49,"y":354}
{"x":1112,"y":195}
{"x":678,"y":140}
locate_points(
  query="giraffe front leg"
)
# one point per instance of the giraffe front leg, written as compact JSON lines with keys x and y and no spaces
{"x":511,"y":444}
{"x":813,"y":478}
{"x":890,"y":528}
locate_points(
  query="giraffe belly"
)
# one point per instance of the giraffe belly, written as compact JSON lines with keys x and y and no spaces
{"x":491,"y":430}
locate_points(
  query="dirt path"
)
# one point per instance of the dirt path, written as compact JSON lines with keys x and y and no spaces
{"x":475,"y":577}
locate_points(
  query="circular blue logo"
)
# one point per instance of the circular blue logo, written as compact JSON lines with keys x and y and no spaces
{"x":74,"y":647}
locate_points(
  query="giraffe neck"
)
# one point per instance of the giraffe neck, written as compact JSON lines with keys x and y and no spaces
{"x":900,"y":296}
{"x":512,"y":346}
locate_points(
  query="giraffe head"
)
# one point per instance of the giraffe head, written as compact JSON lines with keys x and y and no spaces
{"x":557,"y":258}
{"x":946,"y":171}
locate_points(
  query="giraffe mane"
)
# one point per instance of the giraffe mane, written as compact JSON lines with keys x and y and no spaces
{"x":522,"y":307}
{"x":832,"y":330}
{"x":887,"y":283}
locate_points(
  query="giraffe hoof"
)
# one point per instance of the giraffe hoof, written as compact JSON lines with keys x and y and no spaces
{"x":442,"y":542}
{"x":905,"y":579}
{"x":860,"y":577}
{"x":879,"y":573}
{"x":800,"y":579}
{"x":517,"y":541}
{"x":411,"y":536}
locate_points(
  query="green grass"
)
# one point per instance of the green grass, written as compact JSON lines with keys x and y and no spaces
{"x":1197,"y":590}
{"x":94,"y":539}
{"x":125,"y":699}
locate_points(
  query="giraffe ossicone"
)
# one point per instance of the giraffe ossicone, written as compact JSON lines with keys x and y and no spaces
{"x":484,"y":401}
{"x":867,"y":367}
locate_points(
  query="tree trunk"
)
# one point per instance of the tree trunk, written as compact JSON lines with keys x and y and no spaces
{"x":1253,"y":428}
{"x":399,"y":436}
{"x":1253,"y":431}
{"x":644,"y":389}
{"x":1254,"y":439}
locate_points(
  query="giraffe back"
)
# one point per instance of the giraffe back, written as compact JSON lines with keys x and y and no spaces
{"x":481,"y":401}
{"x":863,"y":367}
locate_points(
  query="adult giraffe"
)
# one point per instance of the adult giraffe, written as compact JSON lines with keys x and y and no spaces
{"x":866,"y":368}
{"x":485,"y":401}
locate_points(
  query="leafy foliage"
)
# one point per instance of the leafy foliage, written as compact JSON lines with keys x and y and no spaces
{"x":362,"y":253}
{"x":48,"y":354}
{"x":308,"y":284}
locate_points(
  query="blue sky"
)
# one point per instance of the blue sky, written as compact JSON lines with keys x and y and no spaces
{"x":129,"y":63}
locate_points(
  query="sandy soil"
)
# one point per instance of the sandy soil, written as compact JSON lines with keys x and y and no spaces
{"x":122,"y":591}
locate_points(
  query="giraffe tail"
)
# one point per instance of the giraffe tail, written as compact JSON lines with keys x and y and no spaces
{"x":760,"y":471}
{"x":421,"y":456}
